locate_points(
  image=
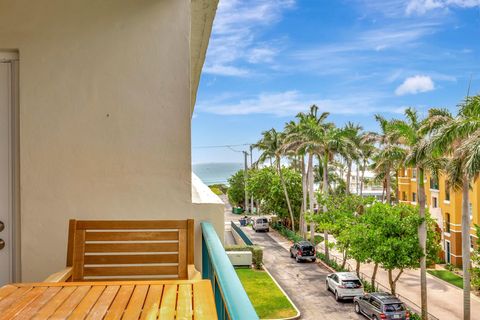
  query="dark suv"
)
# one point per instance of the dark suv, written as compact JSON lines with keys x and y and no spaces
{"x":380,"y":305}
{"x":303,"y":250}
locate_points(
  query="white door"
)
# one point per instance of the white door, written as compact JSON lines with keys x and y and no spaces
{"x":6,"y":170}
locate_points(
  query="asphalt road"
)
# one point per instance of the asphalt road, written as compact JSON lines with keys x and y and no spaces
{"x":304,"y":282}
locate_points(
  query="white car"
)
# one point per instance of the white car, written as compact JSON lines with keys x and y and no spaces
{"x":260,"y":224}
{"x":344,"y":285}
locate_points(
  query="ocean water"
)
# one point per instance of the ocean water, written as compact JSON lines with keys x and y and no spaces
{"x":212,"y":173}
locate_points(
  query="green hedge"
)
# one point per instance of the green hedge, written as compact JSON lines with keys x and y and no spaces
{"x":287,"y":233}
{"x":257,"y":253}
{"x":331,"y":263}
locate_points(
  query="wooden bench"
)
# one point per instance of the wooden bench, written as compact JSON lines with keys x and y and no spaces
{"x":129,"y":250}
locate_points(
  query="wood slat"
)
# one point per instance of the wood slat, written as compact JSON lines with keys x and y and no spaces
{"x":130,"y":271}
{"x":131,"y":247}
{"x":103,"y":303}
{"x":132,"y":236}
{"x":118,"y":305}
{"x":136,"y":302}
{"x":203,"y":301}
{"x":191,"y":241}
{"x":38,"y":303}
{"x":169,"y":302}
{"x":152,"y":303}
{"x":71,"y":241}
{"x":20,"y":303}
{"x":83,"y":308}
{"x":131,"y":224}
{"x":131,"y":258}
{"x":11,"y":298}
{"x":71,"y":303}
{"x":49,"y":308}
{"x":184,"y":302}
{"x":6,"y":290}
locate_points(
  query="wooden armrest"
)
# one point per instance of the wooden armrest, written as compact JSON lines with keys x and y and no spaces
{"x":60,"y":276}
{"x":193,"y":274}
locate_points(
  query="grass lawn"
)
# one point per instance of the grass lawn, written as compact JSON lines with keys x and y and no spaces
{"x":267,"y":299}
{"x":448,"y":276}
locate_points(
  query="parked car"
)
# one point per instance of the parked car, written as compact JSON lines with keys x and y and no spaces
{"x":380,"y":305}
{"x":260,"y":224}
{"x":344,"y":285}
{"x":303,"y":250}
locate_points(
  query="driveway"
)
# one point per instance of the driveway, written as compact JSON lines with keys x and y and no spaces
{"x":304,"y":282}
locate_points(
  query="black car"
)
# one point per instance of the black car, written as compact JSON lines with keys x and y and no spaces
{"x":303,"y":250}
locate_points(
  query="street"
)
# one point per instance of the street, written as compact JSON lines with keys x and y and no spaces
{"x":304,"y":282}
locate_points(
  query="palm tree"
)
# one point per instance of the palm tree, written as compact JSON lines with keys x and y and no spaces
{"x":352,"y":151}
{"x":412,"y":136}
{"x":366,"y":150}
{"x":459,"y":139}
{"x":389,"y":156}
{"x":271,"y":145}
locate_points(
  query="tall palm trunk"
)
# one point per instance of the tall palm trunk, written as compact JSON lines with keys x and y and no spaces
{"x":388,"y":183}
{"x":303,"y":228}
{"x":356,"y":178}
{"x":422,"y":238}
{"x":349,"y":175}
{"x":466,"y":247}
{"x":282,"y":180}
{"x":363,"y":176}
{"x":325,"y":192}
{"x":311,"y":195}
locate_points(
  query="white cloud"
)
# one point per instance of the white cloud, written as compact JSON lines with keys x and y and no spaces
{"x":423,"y":6}
{"x":414,"y":85}
{"x":236,"y":29}
{"x":289,"y":103}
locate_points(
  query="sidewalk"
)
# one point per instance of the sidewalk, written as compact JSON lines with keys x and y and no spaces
{"x":445,"y":301}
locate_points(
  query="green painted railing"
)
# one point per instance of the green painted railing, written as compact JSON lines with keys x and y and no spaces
{"x":231,"y":300}
{"x":242,"y":234}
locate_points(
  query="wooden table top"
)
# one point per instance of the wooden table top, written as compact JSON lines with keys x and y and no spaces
{"x":163,"y":299}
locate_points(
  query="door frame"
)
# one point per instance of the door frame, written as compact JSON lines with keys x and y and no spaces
{"x":12,"y":58}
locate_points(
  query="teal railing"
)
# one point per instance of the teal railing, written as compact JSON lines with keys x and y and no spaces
{"x":242,"y":234}
{"x":231,"y":300}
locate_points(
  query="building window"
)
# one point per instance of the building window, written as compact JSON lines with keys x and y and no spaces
{"x":404,"y":196}
{"x":434,"y":202}
{"x":447,"y":195}
{"x":447,"y":222}
{"x":414,"y":197}
{"x":433,"y":183}
{"x":414,"y":173}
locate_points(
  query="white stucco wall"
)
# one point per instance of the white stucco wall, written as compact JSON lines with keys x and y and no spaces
{"x":104,"y":116}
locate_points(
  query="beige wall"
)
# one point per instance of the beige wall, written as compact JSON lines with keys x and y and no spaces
{"x":104,"y":116}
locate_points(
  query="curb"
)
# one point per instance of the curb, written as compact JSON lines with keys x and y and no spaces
{"x":299,"y":314}
{"x":472,"y":295}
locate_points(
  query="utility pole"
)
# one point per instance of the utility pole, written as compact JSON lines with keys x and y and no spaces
{"x":251,"y":166}
{"x":245,"y":176}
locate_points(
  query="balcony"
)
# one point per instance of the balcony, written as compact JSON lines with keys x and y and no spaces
{"x":110,"y":274}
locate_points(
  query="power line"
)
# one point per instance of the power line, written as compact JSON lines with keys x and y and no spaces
{"x":223,"y":146}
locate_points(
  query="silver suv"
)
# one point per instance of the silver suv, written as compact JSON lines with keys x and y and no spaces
{"x":380,"y":305}
{"x":260,"y":224}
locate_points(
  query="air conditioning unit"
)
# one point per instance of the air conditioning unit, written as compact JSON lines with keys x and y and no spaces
{"x":240,"y":258}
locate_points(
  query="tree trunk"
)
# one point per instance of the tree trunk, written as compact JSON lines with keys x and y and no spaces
{"x":279,"y":168}
{"x":349,"y":175}
{"x":344,"y":256}
{"x":388,"y":192}
{"x":466,"y":247}
{"x":357,"y":181}
{"x":422,"y":237}
{"x":374,"y":274}
{"x":363,"y":175}
{"x":303,"y":228}
{"x":393,"y":281}
{"x":357,"y":268}
{"x":325,"y":192}
{"x":310,"y":194}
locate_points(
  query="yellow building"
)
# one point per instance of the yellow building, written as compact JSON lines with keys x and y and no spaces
{"x":445,"y":205}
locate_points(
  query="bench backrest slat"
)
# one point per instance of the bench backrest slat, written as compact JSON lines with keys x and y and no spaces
{"x":136,"y":249}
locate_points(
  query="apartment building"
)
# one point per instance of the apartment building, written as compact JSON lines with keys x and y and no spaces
{"x":445,"y":205}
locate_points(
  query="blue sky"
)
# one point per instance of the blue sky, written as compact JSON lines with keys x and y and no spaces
{"x":270,"y":59}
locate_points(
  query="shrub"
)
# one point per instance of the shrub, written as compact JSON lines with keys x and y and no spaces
{"x":450,"y":267}
{"x":331,"y":263}
{"x":287,"y":233}
{"x":217,"y":191}
{"x":257,"y":253}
